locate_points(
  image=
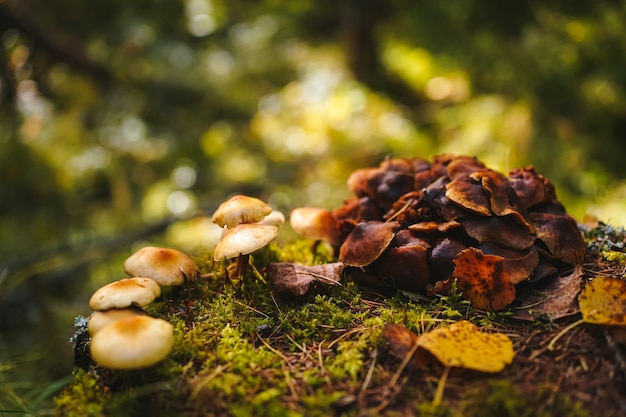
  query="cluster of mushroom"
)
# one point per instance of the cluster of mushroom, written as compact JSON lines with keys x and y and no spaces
{"x":123,"y":336}
{"x":248,"y":225}
{"x":419,"y":226}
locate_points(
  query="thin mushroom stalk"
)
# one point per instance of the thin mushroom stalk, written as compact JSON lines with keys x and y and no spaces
{"x":241,"y":265}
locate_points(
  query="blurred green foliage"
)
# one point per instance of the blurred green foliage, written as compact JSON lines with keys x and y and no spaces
{"x":118,"y":117}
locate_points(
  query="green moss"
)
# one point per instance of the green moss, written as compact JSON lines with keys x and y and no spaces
{"x":83,"y":397}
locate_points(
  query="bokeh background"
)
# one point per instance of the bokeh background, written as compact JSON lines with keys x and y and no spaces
{"x":121,"y":121}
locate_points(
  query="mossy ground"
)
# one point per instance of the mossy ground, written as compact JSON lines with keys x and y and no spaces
{"x":242,"y":350}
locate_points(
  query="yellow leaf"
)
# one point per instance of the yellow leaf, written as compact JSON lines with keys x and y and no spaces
{"x":603,"y":301}
{"x":463,"y":345}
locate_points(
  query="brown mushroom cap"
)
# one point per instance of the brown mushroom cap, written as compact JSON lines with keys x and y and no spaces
{"x":561,"y":235}
{"x":99,"y":319}
{"x":315,"y":224}
{"x":357,"y":182}
{"x":531,"y":188}
{"x":468,"y":193}
{"x":502,"y":197}
{"x":139,"y":291}
{"x":240,"y":209}
{"x":367,"y":242}
{"x":243,"y":240}
{"x":166,"y":266}
{"x":463,"y":166}
{"x":405,"y":262}
{"x":132,"y":343}
{"x":499,"y":230}
{"x":432,"y":226}
{"x":441,"y":258}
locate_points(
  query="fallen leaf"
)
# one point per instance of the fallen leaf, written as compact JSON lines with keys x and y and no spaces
{"x":483,"y":280}
{"x":603,"y":301}
{"x":402,"y":342}
{"x":463,"y":345}
{"x":296,"y":279}
{"x":556,"y":300}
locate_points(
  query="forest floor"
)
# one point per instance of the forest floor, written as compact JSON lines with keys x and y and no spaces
{"x":243,"y":349}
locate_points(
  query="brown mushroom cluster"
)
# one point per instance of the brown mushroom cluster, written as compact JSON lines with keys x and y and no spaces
{"x":418,"y":225}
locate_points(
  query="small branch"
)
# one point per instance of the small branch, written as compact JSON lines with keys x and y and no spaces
{"x":562,"y":332}
{"x":441,"y":387}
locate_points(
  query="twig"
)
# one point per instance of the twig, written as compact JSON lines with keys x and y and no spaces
{"x":441,"y":387}
{"x":218,"y":370}
{"x":562,"y":332}
{"x":403,"y":365}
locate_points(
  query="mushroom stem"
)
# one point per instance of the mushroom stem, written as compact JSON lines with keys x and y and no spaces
{"x":314,"y":248}
{"x":208,"y":275}
{"x":241,"y":267}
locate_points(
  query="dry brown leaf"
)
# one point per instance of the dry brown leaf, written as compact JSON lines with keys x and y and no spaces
{"x":296,"y":279}
{"x":555,"y":301}
{"x":483,"y":280}
{"x":402,"y":341}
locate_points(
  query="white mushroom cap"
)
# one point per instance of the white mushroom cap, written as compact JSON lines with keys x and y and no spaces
{"x":138,"y":291}
{"x":240,"y":209}
{"x":315,"y":223}
{"x":275,"y":218}
{"x":243,"y":240}
{"x":132,"y":342}
{"x":99,"y":319}
{"x":166,"y":266}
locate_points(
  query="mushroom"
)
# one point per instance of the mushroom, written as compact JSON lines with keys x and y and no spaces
{"x":317,"y":224}
{"x":168,"y":267}
{"x":367,"y":242}
{"x":453,"y":218}
{"x":241,"y":241}
{"x":434,"y":226}
{"x":245,"y":232}
{"x":132,"y":342}
{"x":99,"y":319}
{"x":498,"y":230}
{"x":139,"y":291}
{"x":468,"y":193}
{"x":405,"y":262}
{"x":560,"y":234}
{"x":275,"y":218}
{"x":240,"y":209}
{"x":442,"y":256}
{"x":502,"y":197}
